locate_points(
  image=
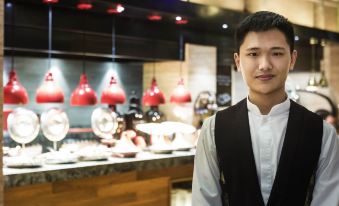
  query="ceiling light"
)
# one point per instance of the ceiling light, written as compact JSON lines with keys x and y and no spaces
{"x":14,"y":92}
{"x":50,"y":1}
{"x":84,"y":5}
{"x":113,"y":94}
{"x":153,"y":96}
{"x":115,"y":9}
{"x":154,"y":17}
{"x":181,"y":21}
{"x":49,"y":91}
{"x":180,"y":93}
{"x":9,"y":5}
{"x":83,"y":95}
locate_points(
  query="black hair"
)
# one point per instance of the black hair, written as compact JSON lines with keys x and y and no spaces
{"x":323,"y":113}
{"x":264,"y":21}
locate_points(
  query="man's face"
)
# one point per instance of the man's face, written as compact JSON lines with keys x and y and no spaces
{"x":264,"y":60}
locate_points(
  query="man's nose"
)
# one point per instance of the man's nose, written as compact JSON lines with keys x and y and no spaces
{"x":265,"y":63}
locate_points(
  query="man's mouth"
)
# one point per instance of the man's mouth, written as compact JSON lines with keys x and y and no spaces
{"x":265,"y":77}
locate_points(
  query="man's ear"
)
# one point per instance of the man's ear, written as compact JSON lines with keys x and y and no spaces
{"x":294,"y":56}
{"x":237,"y":61}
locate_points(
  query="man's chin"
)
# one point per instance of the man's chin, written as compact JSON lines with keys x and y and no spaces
{"x":265,"y":91}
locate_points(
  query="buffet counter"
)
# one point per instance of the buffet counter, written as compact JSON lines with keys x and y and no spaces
{"x":143,"y":180}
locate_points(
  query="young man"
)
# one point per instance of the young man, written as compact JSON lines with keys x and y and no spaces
{"x":266,"y":150}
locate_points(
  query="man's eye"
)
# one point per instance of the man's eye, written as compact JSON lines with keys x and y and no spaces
{"x":278,"y":53}
{"x":252,"y":54}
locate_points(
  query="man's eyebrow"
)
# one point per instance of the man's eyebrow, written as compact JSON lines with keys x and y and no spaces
{"x":278,"y":48}
{"x":252,"y":49}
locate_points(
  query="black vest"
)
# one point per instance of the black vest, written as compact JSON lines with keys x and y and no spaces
{"x":298,"y":160}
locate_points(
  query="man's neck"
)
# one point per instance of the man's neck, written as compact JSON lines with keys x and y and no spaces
{"x":265,"y":102}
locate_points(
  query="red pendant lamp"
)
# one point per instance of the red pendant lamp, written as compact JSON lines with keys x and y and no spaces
{"x":83,"y":95}
{"x":154,"y":17}
{"x":84,"y":5}
{"x":180,"y":20}
{"x":113,"y":94}
{"x":49,"y":91}
{"x":50,"y":1}
{"x":115,"y":9}
{"x":180,"y":93}
{"x":14,"y":92}
{"x":153,"y":96}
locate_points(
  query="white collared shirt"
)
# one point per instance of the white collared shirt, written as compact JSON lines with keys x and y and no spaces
{"x":267,"y":146}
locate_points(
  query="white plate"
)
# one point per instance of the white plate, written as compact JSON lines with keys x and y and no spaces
{"x":161,"y":150}
{"x":54,"y":124}
{"x":104,"y":122}
{"x":23,"y":125}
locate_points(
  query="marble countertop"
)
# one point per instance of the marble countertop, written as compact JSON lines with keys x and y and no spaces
{"x":63,"y":172}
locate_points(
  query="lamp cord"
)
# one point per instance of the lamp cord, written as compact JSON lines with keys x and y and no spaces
{"x":84,"y":46}
{"x":12,"y":38}
{"x":181,"y":52}
{"x":113,"y":40}
{"x":153,"y":72}
{"x":50,"y":16}
{"x":313,"y":58}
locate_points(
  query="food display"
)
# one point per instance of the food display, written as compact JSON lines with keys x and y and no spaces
{"x":87,"y":150}
{"x":22,"y":162}
{"x":159,"y":132}
{"x":184,"y":135}
{"x":165,"y":138}
{"x":125,"y":146}
{"x":59,"y":157}
{"x":18,"y":157}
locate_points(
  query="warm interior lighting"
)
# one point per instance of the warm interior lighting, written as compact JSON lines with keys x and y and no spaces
{"x":312,"y":83}
{"x":49,"y":91}
{"x":50,"y":1}
{"x":153,"y":96}
{"x":14,"y":92}
{"x":113,"y":94}
{"x":154,"y":17}
{"x":180,"y":93}
{"x":180,"y":20}
{"x":84,"y":5}
{"x":115,"y":9}
{"x":83,"y":95}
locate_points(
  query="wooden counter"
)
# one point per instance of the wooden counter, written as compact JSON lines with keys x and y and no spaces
{"x":142,"y":181}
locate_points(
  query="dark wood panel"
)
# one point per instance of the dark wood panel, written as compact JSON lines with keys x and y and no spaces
{"x":175,"y":173}
{"x":109,"y":190}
